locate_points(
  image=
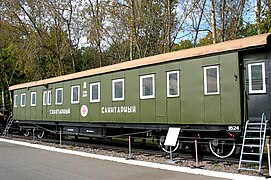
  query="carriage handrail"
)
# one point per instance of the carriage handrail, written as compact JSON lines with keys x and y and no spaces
{"x":263,"y":120}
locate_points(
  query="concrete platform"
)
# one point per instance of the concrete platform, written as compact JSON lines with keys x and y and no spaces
{"x":24,"y":161}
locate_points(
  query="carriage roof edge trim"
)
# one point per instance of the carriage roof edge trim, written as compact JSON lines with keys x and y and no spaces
{"x":238,"y":44}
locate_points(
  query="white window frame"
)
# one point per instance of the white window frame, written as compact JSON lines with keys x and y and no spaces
{"x":16,"y":100}
{"x":59,"y":103}
{"x":178,"y":83}
{"x":251,"y":91}
{"x":78,"y":95}
{"x":31,"y":98}
{"x":91,"y":98}
{"x":113,"y":89}
{"x":49,"y":97}
{"x":217,"y":80}
{"x":153,"y":86}
{"x":45,"y":98}
{"x":23,"y":104}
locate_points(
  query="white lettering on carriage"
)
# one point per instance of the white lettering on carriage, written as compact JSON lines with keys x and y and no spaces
{"x":60,"y":111}
{"x":119,"y":109}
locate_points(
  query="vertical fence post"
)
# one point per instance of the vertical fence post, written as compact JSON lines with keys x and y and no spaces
{"x":268,"y":153}
{"x":60,"y":138}
{"x":33,"y":133}
{"x":130,"y":149}
{"x":171,"y":157}
{"x":196,"y":150}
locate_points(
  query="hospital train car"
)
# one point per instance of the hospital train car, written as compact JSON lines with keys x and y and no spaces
{"x":208,"y":92}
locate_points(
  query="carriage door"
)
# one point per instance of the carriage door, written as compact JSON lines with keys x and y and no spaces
{"x":46,"y":102}
{"x":257,"y":89}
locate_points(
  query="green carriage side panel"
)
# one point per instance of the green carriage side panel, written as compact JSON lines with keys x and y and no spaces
{"x":160,"y":94}
{"x":230,"y":89}
{"x":66,"y":101}
{"x":147,"y":111}
{"x":51,"y":116}
{"x":47,"y":108}
{"x":15,"y":110}
{"x":174,"y":103}
{"x":20,"y":109}
{"x":119,"y":117}
{"x":39,"y":103}
{"x":192,"y":102}
{"x":147,"y":106}
{"x":106,"y":97}
{"x":94,"y":107}
{"x":212,"y":104}
{"x":27,"y":105}
{"x":32,"y":109}
{"x":74,"y":108}
{"x":23,"y":109}
{"x":84,"y":99}
{"x":58,"y":117}
{"x":212,"y":108}
{"x":174,"y":110}
{"x":132,"y":94}
{"x":118,"y":75}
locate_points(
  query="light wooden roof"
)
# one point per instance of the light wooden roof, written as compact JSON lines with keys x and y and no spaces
{"x":249,"y":42}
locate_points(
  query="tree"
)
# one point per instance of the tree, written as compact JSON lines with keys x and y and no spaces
{"x":94,"y":19}
{"x":184,"y":44}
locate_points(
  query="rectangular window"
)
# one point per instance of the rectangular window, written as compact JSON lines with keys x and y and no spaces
{"x":33,"y":98}
{"x":147,"y":87}
{"x":75,"y":94}
{"x":211,"y":80}
{"x":15,"y":100}
{"x":95,"y":92}
{"x":256,"y":77}
{"x":45,"y":98}
{"x":23,"y":100}
{"x":173,"y":84}
{"x":59,"y":95}
{"x":118,"y":89}
{"x":49,"y":98}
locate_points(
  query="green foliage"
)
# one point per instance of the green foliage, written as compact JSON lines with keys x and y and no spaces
{"x":266,"y":20}
{"x":249,"y":30}
{"x":40,"y":39}
{"x":87,"y":59}
{"x":184,"y":44}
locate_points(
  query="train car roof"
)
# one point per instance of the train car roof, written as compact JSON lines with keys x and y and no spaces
{"x":233,"y":45}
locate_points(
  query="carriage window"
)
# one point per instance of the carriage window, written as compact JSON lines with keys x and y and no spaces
{"x":95,"y":92}
{"x":49,"y":98}
{"x":173,"y":84}
{"x":15,"y":100}
{"x":75,"y":94}
{"x":59,"y":95}
{"x":33,"y":98}
{"x":211,"y":80}
{"x":45,"y":98}
{"x":256,"y":77}
{"x":118,"y":89}
{"x":147,"y":85}
{"x":23,"y":100}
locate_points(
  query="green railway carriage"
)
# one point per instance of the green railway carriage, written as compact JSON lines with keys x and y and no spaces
{"x":206,"y":91}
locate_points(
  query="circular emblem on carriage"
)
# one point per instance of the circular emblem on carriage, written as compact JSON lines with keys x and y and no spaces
{"x":84,"y":111}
